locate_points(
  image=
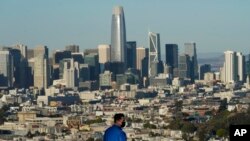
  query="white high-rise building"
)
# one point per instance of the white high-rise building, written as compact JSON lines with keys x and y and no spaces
{"x":154,"y":50}
{"x":104,"y":53}
{"x":6,"y":69}
{"x":71,"y":73}
{"x":233,"y":68}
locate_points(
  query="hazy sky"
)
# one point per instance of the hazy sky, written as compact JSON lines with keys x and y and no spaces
{"x":215,"y":25}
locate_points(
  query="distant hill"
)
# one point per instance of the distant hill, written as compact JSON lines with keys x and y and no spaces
{"x":215,"y":59}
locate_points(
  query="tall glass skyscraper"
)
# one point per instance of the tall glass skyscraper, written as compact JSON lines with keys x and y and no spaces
{"x":118,"y":36}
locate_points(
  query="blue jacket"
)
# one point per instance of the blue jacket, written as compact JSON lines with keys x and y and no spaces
{"x":114,"y":133}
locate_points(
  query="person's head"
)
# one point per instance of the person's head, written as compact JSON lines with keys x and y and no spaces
{"x":119,"y":119}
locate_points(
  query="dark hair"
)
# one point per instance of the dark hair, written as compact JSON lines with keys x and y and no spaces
{"x":118,"y":116}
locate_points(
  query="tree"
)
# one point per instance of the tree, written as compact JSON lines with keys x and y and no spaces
{"x":188,"y":127}
{"x":90,"y":139}
{"x":221,"y":132}
{"x":223,"y":105}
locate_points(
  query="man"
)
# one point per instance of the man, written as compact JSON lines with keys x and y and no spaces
{"x":115,"y":132}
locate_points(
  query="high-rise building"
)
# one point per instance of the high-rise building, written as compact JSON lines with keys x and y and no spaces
{"x":184,"y":66}
{"x":104,"y":53}
{"x":172,"y":55}
{"x":140,"y":54}
{"x":6,"y":69}
{"x":30,"y":54}
{"x":204,"y":69}
{"x":131,"y":54}
{"x":16,"y":64}
{"x":241,"y":66}
{"x":92,"y":60}
{"x":23,"y":65}
{"x":72,"y":48}
{"x":60,"y":55}
{"x":233,"y":68}
{"x":118,"y":36}
{"x":71,"y":73}
{"x":154,"y":49}
{"x":84,"y":73}
{"x":248,"y":66}
{"x":104,"y":56}
{"x":23,"y":50}
{"x":190,"y":49}
{"x":78,"y":57}
{"x":41,"y":67}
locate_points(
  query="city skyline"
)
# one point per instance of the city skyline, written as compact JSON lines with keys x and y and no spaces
{"x":214,"y":26}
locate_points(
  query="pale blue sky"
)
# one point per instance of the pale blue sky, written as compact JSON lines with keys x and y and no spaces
{"x":215,"y":25}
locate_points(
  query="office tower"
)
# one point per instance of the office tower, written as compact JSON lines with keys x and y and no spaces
{"x":84,"y":72}
{"x":104,"y":53}
{"x":23,"y":50}
{"x":71,"y":73}
{"x":41,"y":67}
{"x":104,"y":56}
{"x":90,"y":51}
{"x":92,"y":60}
{"x":41,"y":50}
{"x":184,"y":66}
{"x":6,"y":69}
{"x":60,"y":55}
{"x":118,"y":36}
{"x":228,"y":70}
{"x":78,"y":57}
{"x":72,"y":48}
{"x":30,"y":54}
{"x":233,"y":68}
{"x":248,"y":65}
{"x":171,"y":56}
{"x":154,"y":50}
{"x":190,"y":49}
{"x":240,"y":66}
{"x":131,"y":54}
{"x":16,"y":64}
{"x":204,"y":69}
{"x":30,"y":72}
{"x":142,"y":55}
{"x":23,"y":65}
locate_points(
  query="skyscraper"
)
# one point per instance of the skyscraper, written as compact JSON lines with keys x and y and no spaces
{"x":142,"y":55}
{"x":118,"y":36}
{"x":23,"y":50}
{"x":23,"y":66}
{"x":172,"y":56}
{"x":6,"y":69}
{"x":72,"y":48}
{"x":233,"y":68}
{"x":190,"y":49}
{"x":104,"y":56}
{"x":241,"y":66}
{"x":131,"y":54}
{"x":104,"y":53}
{"x":184,"y":66}
{"x":154,"y":49}
{"x":41,"y":67}
{"x":71,"y":73}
